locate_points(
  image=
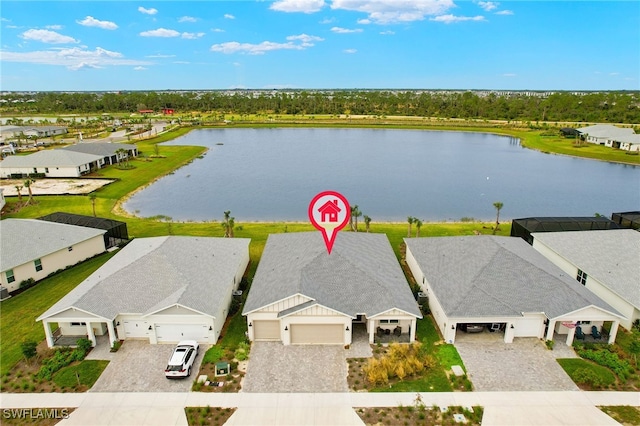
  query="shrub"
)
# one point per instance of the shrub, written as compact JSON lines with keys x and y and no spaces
{"x":586,"y":376}
{"x":610,"y":360}
{"x":29,"y":349}
{"x":84,"y":345}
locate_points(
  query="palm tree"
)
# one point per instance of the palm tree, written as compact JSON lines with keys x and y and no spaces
{"x":410,"y":220}
{"x":367,"y":221}
{"x":27,"y":184}
{"x":355,"y":213}
{"x":498,"y":205}
{"x":92,"y":197}
{"x":18,"y":189}
{"x":228,"y":224}
{"x":418,"y":223}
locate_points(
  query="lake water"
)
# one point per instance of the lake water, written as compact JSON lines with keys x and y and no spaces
{"x":272,"y":175}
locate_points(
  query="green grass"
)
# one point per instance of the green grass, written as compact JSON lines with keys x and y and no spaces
{"x":623,"y":414}
{"x":18,"y":314}
{"x":86,"y":372}
{"x":574,"y":366}
{"x":434,"y":381}
{"x":233,"y":335}
{"x":448,"y":356}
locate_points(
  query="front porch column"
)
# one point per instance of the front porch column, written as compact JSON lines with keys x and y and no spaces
{"x":48,"y":334}
{"x":570,"y":336}
{"x":613,"y":332}
{"x":550,"y":330}
{"x":412,"y":330}
{"x":91,"y":335}
{"x":112,"y":333}
{"x":372,"y":331}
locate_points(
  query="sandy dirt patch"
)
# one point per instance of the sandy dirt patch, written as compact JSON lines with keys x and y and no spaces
{"x":54,"y":186}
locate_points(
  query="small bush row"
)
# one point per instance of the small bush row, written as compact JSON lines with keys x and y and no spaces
{"x":608,"y":359}
{"x":63,"y":357}
{"x":401,"y":361}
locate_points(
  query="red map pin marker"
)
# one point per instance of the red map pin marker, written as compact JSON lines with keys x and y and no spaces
{"x":329,"y":212}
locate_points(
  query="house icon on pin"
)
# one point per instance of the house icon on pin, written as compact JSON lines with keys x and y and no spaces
{"x":329,"y":211}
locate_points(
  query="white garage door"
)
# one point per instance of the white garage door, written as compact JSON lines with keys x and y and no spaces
{"x":266,"y":330}
{"x":528,"y":327}
{"x":173,"y":333}
{"x":319,"y":334}
{"x":136,"y":329}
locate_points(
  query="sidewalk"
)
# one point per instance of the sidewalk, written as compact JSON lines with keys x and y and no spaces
{"x":146,"y":408}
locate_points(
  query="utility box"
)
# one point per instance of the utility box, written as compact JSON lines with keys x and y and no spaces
{"x":222,"y":369}
{"x":423,"y":298}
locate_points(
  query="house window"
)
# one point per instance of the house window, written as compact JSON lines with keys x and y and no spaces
{"x":46,"y":170}
{"x":582,"y":277}
{"x":70,"y":248}
{"x":389,"y":321}
{"x":10,"y":277}
{"x":78,"y":324}
{"x":35,"y":170}
{"x":38,"y":265}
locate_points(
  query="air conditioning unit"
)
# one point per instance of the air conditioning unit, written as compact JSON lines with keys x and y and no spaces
{"x":423,"y":298}
{"x":237,"y":293}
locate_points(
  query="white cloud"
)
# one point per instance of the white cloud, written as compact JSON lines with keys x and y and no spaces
{"x":351,"y":51}
{"x":47,"y":36}
{"x":364,"y":21}
{"x":388,"y":32}
{"x":192,"y":36}
{"x":160,"y":56}
{"x":181,"y":62}
{"x":160,"y":32}
{"x":328,"y":21}
{"x":139,"y":68}
{"x":614,"y":73}
{"x":253,"y":49}
{"x":304,"y":6}
{"x":395,"y":11}
{"x":229,"y":16}
{"x":505,"y":12}
{"x":74,"y":58}
{"x":450,"y":19}
{"x":90,"y":21}
{"x":339,"y":30}
{"x":217,"y":30}
{"x":188,"y":19}
{"x":53,"y":27}
{"x":151,"y":11}
{"x":488,"y":6}
{"x":307,"y":40}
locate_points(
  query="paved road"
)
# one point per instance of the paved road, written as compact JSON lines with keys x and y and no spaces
{"x":148,"y":408}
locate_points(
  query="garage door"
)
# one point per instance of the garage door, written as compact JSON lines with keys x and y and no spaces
{"x":173,"y":333}
{"x":266,"y":330}
{"x":136,"y":329}
{"x":528,"y":327}
{"x":319,"y":334}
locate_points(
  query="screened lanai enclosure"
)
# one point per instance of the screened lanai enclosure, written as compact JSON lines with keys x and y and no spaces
{"x":524,"y":227}
{"x":116,"y":230}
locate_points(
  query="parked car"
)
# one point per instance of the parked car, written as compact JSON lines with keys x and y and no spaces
{"x":182,"y":359}
{"x":472,"y":328}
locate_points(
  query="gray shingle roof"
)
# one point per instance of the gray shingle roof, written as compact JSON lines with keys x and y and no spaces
{"x":99,"y":148}
{"x":484,"y":276}
{"x":24,"y":240}
{"x":360,"y":276}
{"x":605,"y":130}
{"x":153,"y":273}
{"x":611,"y":256}
{"x":49,"y":158}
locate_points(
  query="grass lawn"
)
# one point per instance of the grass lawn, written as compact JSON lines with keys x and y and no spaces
{"x":18,"y":314}
{"x":84,"y":373}
{"x":624,"y":414}
{"x":587,"y":374}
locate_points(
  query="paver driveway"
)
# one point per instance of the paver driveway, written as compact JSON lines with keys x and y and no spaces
{"x":524,"y":365}
{"x":274,"y":367}
{"x":139,"y":367}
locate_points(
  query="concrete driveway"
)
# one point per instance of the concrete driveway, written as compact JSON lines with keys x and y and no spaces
{"x":139,"y":367}
{"x":274,"y":367}
{"x":524,"y":365}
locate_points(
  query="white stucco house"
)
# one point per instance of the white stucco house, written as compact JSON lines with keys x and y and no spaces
{"x":303,"y":295}
{"x":506,"y":285}
{"x":33,"y":248}
{"x":160,"y":289}
{"x":109,"y":151}
{"x":604,"y":134}
{"x":606,"y":262}
{"x":52,"y":163}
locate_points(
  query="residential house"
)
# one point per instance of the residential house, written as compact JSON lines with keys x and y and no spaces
{"x":606,"y":262}
{"x":111,"y":152}
{"x":604,"y":134}
{"x":34,"y":249}
{"x":159,"y":289}
{"x":51,"y":163}
{"x":303,"y":295}
{"x":506,"y":285}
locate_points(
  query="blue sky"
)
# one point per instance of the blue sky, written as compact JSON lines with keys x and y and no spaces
{"x":319,"y":44}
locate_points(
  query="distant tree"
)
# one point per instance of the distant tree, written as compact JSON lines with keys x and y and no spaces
{"x":410,"y":220}
{"x":18,"y":189}
{"x":228,"y":224}
{"x":418,"y":223}
{"x":27,"y":184}
{"x":355,"y":214}
{"x":367,"y":222}
{"x":92,"y":197}
{"x":498,"y":205}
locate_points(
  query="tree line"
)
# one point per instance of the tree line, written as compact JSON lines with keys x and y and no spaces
{"x":613,"y":107}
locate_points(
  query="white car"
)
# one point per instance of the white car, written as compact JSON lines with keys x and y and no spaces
{"x":182,"y":359}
